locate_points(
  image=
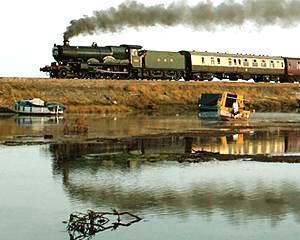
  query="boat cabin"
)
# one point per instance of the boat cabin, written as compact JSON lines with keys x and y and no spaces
{"x":208,"y":102}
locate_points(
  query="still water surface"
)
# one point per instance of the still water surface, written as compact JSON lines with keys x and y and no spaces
{"x":132,"y":125}
{"x":42,"y":185}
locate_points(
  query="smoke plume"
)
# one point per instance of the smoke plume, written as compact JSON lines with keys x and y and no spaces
{"x":204,"y":15}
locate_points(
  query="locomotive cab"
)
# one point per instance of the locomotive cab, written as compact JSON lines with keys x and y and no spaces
{"x":55,"y":51}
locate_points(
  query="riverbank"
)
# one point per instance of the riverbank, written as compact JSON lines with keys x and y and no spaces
{"x":110,"y":96}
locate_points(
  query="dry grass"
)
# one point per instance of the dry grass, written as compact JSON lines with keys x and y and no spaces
{"x":100,"y":96}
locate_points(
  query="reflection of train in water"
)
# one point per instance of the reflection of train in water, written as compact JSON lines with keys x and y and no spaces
{"x":240,"y":144}
{"x":172,"y":186}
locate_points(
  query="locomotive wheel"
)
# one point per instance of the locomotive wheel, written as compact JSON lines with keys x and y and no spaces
{"x":80,"y":75}
{"x":62,"y":73}
{"x":53,"y":75}
{"x":98,"y":75}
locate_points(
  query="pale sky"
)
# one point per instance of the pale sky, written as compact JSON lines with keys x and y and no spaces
{"x":29,"y":29}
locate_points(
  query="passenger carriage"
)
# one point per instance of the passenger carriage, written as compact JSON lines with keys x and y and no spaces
{"x":205,"y":65}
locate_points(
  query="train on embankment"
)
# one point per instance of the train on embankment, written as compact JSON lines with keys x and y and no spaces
{"x":134,"y":62}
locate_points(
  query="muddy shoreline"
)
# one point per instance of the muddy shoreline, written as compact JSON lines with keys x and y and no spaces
{"x":113,"y":96}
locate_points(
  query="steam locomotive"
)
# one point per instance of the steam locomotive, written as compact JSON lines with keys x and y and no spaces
{"x":134,"y":62}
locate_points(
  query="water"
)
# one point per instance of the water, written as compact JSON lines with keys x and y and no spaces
{"x":133,"y":125}
{"x":42,"y":184}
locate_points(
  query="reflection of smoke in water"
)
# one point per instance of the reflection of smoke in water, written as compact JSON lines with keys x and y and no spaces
{"x":203,"y":15}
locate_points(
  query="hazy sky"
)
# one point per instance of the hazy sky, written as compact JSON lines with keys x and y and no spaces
{"x":29,"y":29}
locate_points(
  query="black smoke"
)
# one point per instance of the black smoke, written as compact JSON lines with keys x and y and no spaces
{"x":204,"y":15}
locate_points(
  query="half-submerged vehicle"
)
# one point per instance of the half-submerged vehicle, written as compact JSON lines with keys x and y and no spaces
{"x":231,"y":107}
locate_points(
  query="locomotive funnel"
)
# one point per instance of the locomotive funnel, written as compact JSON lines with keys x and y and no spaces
{"x":66,"y":42}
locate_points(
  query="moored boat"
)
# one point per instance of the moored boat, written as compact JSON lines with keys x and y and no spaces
{"x":208,"y":102}
{"x":37,"y":106}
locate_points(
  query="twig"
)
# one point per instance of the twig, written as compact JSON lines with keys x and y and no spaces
{"x":85,"y":225}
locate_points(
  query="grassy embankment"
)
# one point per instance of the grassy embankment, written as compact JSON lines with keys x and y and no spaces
{"x":102,"y":96}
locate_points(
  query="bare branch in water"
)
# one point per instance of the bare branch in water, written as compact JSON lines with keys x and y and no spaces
{"x":85,"y":225}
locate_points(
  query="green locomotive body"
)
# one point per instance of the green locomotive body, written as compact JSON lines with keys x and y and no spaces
{"x":90,"y":61}
{"x":164,"y":60}
{"x":160,"y":65}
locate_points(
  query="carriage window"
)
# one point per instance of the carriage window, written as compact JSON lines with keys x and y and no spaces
{"x":254,"y":63}
{"x":298,"y":65}
{"x":212,"y":61}
{"x":171,"y":60}
{"x":229,"y":61}
{"x":203,"y":60}
{"x":165,"y":60}
{"x":272,"y":65}
{"x":282,"y":64}
{"x":234,"y":61}
{"x":158,"y":60}
{"x":240,"y":62}
{"x":246,"y":63}
{"x":263,"y":63}
{"x":218,"y":60}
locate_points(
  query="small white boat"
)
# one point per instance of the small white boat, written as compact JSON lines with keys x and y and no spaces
{"x":36,"y":106}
